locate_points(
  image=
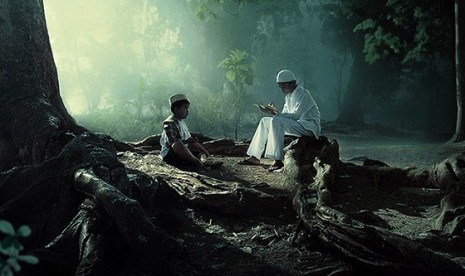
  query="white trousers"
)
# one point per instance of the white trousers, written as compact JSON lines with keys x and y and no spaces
{"x":270,"y":132}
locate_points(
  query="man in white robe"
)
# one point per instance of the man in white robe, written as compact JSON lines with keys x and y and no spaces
{"x":299,"y":117}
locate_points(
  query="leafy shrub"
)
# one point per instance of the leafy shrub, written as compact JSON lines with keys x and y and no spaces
{"x":10,"y":248}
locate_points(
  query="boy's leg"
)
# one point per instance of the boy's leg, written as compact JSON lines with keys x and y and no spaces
{"x":174,"y":160}
{"x":180,"y":155}
{"x":194,"y":151}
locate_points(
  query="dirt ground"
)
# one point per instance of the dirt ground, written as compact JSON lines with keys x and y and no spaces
{"x":216,"y":244}
{"x":406,"y":210}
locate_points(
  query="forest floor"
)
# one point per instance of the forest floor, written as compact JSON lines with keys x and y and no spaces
{"x":215,"y":244}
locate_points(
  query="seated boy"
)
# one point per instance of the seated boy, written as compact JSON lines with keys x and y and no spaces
{"x":178,"y":147}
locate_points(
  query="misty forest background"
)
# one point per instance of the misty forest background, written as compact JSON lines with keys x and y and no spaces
{"x":383,"y":63}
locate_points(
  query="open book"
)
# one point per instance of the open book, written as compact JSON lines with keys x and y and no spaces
{"x":269,"y":108}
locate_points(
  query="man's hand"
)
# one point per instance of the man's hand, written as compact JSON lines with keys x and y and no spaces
{"x":271,"y":108}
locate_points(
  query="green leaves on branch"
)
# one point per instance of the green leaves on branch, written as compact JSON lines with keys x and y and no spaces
{"x":10,"y":248}
{"x":239,"y":72}
{"x":378,"y":43}
{"x":239,"y":67}
{"x":6,"y":228}
{"x":421,"y":38}
{"x":410,"y":30}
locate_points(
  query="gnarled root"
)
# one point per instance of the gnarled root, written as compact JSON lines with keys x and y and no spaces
{"x":127,"y":214}
{"x":367,"y":248}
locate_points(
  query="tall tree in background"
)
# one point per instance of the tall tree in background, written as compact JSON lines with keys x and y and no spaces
{"x":411,"y":34}
{"x":339,"y":18}
{"x":460,"y":69}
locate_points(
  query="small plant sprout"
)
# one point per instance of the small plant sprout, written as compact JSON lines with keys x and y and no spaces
{"x":11,"y":247}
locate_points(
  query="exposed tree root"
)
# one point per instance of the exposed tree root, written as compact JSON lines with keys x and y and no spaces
{"x":127,"y":215}
{"x":367,"y":247}
{"x":224,"y":197}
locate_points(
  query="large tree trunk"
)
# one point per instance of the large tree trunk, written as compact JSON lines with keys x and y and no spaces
{"x":352,"y":112}
{"x":59,"y":169}
{"x":31,"y":110}
{"x":459,"y":69}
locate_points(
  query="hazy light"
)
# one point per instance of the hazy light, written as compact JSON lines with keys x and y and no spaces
{"x":76,"y":103}
{"x":121,"y":58}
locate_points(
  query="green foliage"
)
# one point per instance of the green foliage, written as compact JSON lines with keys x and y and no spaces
{"x":239,"y":68}
{"x":408,"y":31}
{"x":378,"y":43}
{"x":412,"y":30}
{"x":10,"y":248}
{"x":239,"y":72}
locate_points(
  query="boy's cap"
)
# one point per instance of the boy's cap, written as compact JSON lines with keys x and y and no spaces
{"x":177,"y":97}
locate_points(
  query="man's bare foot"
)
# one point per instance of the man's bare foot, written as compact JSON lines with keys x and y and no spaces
{"x":252,"y":160}
{"x":277,"y":165}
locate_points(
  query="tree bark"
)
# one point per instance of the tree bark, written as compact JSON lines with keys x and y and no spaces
{"x":31,"y":109}
{"x":459,"y":69}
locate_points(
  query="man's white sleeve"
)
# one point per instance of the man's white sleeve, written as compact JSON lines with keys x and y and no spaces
{"x":301,"y":105}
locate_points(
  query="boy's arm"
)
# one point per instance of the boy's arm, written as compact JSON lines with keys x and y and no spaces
{"x":171,"y":132}
{"x":194,"y":141}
